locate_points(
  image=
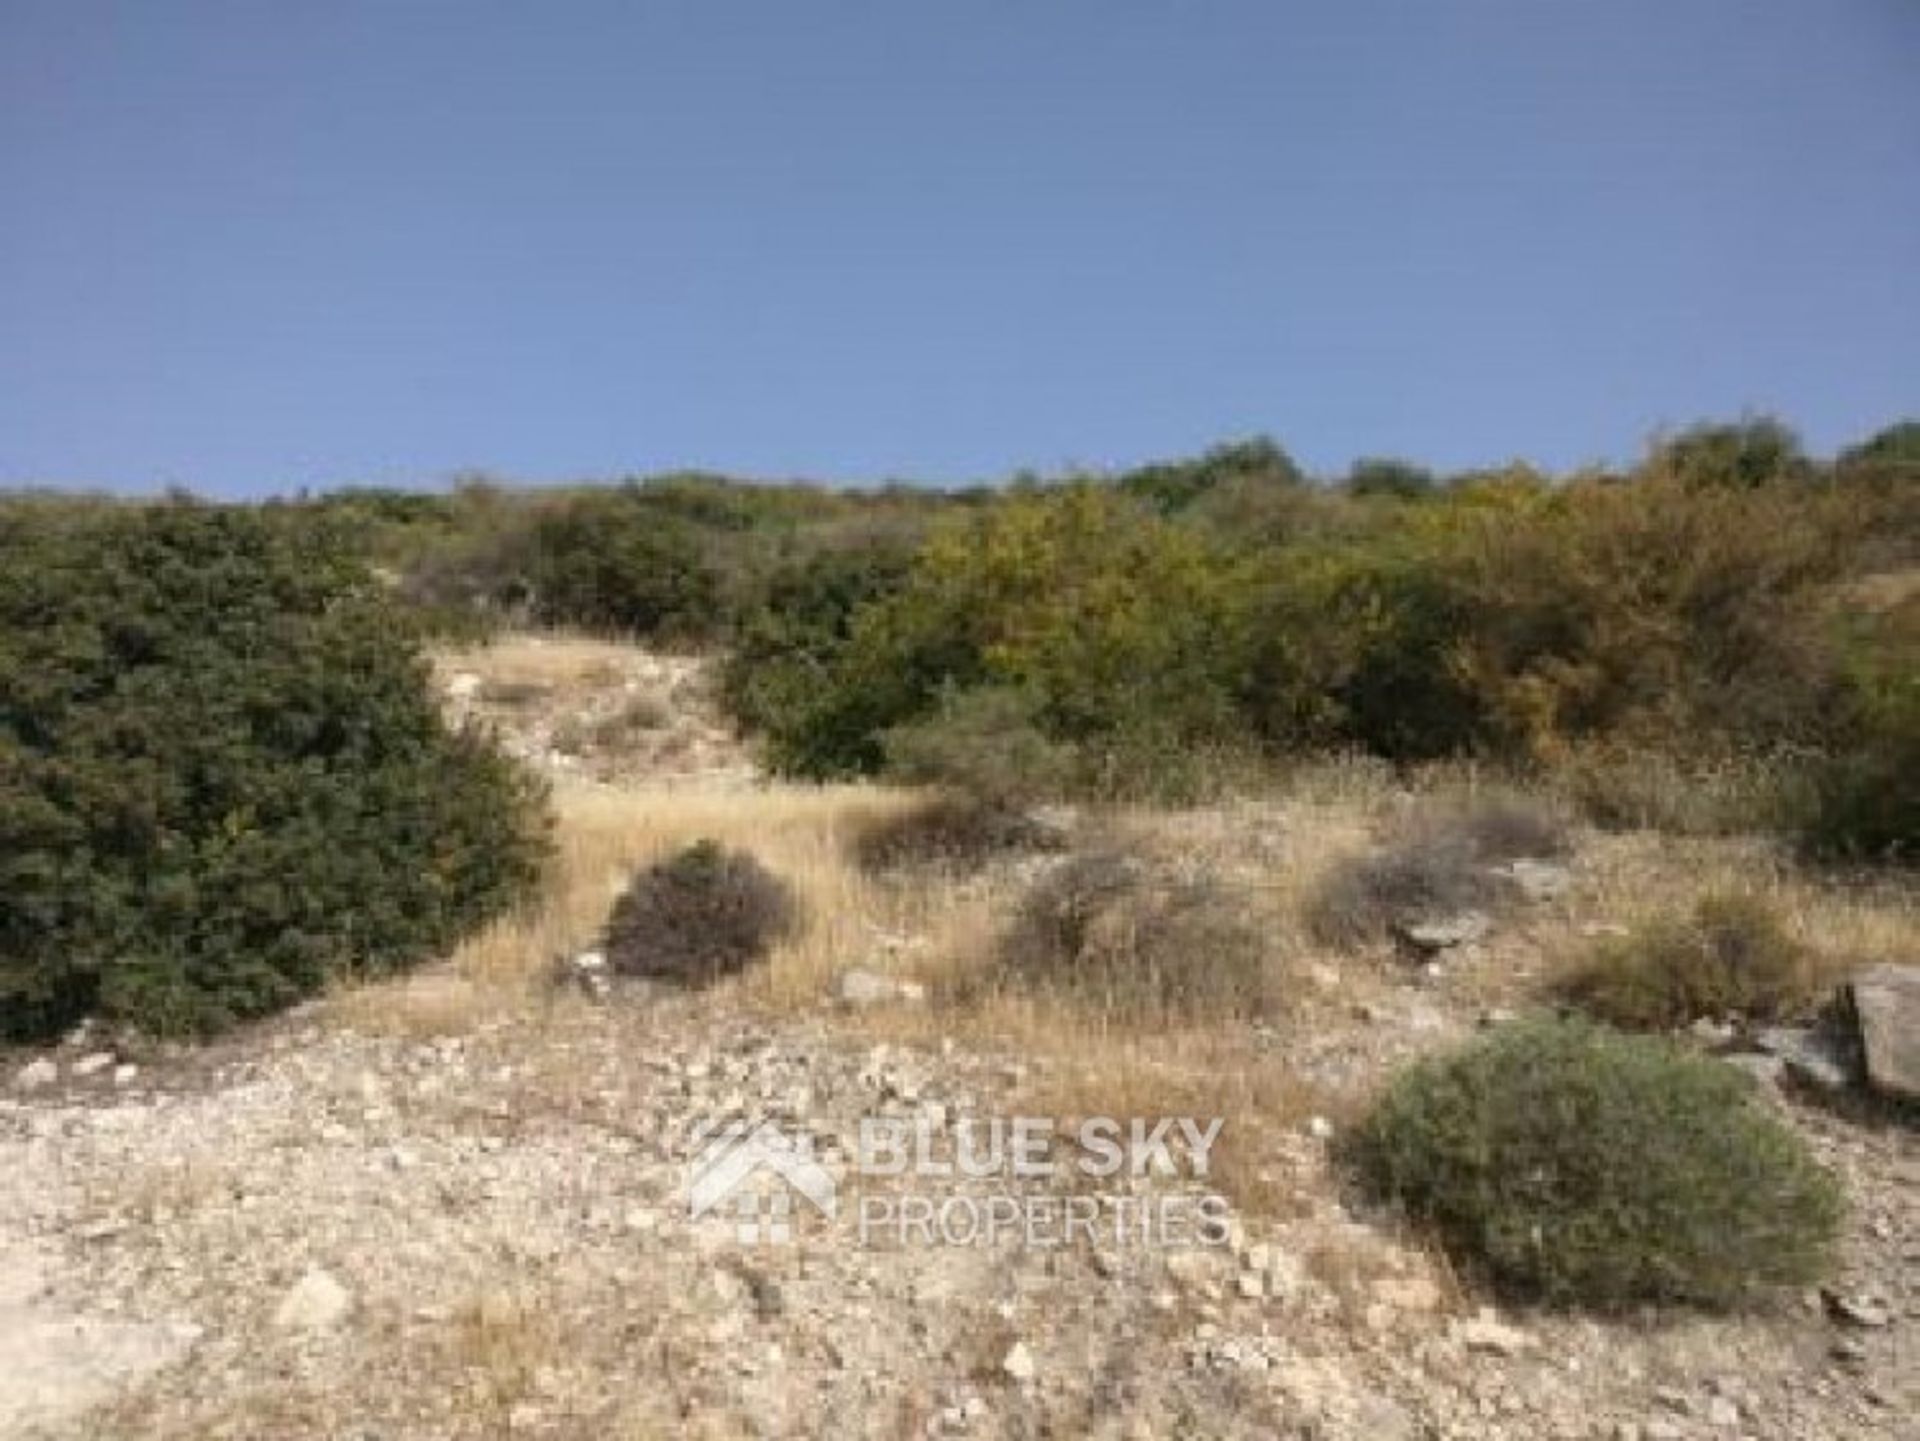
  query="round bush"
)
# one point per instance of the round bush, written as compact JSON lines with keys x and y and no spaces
{"x":223,"y":776}
{"x":1577,"y":1165}
{"x":701,"y":914}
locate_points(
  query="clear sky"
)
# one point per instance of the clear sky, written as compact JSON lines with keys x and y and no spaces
{"x":251,"y":246}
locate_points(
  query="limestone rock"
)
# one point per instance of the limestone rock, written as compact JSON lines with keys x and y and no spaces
{"x":316,"y":1302}
{"x":860,"y":988}
{"x":37,"y":1074}
{"x":1886,"y":1006}
{"x":1445,"y":934}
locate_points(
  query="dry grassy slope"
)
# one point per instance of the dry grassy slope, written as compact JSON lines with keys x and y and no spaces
{"x":490,"y":1168}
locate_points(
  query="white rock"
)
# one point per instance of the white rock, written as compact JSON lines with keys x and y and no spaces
{"x":1019,"y":1363}
{"x":124,"y":1075}
{"x":1441,"y":935}
{"x":316,"y":1302}
{"x":1486,"y":1332}
{"x":1536,"y":880}
{"x":36,"y":1074}
{"x":93,"y":1063}
{"x":1722,"y":1413}
{"x":860,"y":988}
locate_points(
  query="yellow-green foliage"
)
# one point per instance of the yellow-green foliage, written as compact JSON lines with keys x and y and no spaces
{"x":1119,"y":628}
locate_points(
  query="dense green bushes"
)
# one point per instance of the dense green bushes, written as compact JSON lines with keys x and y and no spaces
{"x":223,"y":778}
{"x":1865,"y":794}
{"x":1576,"y":1165}
{"x":1503,"y":617}
{"x":1165,"y":630}
{"x":1115,"y":628}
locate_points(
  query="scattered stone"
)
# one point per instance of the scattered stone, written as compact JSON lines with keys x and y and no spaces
{"x":125,"y":1074}
{"x":36,"y":1074}
{"x":1862,"y":1311}
{"x":585,"y":972}
{"x":1320,"y":1128}
{"x":1445,"y":934}
{"x":1536,"y":881}
{"x":1847,"y":1350}
{"x":1019,"y":1363}
{"x":1487,"y":1332}
{"x":92,"y":1063}
{"x":1711,"y":1032}
{"x":1886,"y":1006}
{"x":1497,"y":1016}
{"x":316,"y":1302}
{"x":1812,"y":1057}
{"x":1722,"y":1413}
{"x":1769,"y":1073}
{"x":859,"y":988}
{"x":1408,"y":1293}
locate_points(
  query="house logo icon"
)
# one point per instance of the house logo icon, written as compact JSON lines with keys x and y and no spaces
{"x":754,"y":1169}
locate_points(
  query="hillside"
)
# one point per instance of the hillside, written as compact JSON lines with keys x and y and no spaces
{"x":450,"y":1204}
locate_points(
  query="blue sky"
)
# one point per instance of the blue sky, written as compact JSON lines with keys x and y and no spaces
{"x":250,"y":246}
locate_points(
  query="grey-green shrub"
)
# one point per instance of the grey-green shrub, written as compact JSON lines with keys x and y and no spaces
{"x":1576,"y":1165}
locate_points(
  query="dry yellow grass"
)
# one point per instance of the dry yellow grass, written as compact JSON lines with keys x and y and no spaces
{"x":553,"y":659}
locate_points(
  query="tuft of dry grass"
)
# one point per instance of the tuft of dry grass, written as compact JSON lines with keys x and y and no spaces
{"x":1107,"y":932}
{"x":1731,"y":956}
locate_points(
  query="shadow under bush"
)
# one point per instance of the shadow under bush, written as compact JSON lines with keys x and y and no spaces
{"x":954,"y":831}
{"x":1576,"y":1165}
{"x":699,"y":915}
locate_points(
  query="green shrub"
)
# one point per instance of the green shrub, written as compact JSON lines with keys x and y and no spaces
{"x":603,"y":562}
{"x":1172,"y":486}
{"x":699,"y":915}
{"x":1575,"y":1165}
{"x":793,"y":636}
{"x":985,"y":744}
{"x":1114,"y":933}
{"x":1741,"y":455}
{"x":1109,"y":622}
{"x":1865,"y":797}
{"x":223,"y":775}
{"x":1731,"y":957}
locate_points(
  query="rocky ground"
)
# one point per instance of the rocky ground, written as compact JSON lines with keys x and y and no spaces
{"x":320,"y":1232}
{"x":417,"y":1212}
